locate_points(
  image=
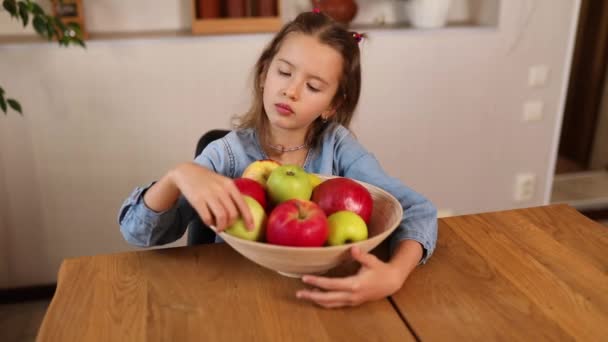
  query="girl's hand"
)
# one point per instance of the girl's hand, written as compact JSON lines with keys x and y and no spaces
{"x":374,"y":280}
{"x":215,"y":198}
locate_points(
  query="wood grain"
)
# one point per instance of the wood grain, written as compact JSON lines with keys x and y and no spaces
{"x":528,"y":274}
{"x":199,"y":293}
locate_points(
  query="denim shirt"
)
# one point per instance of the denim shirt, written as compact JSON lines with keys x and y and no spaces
{"x":340,"y":154}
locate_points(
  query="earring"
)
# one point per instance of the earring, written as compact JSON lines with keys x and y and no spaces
{"x":323,"y":119}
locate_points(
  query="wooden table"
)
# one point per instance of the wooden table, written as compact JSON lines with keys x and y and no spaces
{"x":530,"y":274}
{"x":202,"y":293}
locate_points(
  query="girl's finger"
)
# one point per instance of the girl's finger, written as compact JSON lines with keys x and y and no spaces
{"x":339,"y":284}
{"x":334,"y":305}
{"x":232,"y":213}
{"x":219,"y":213}
{"x":365,"y":259}
{"x":243,"y":208}
{"x":326,"y":299}
{"x":205,"y":214}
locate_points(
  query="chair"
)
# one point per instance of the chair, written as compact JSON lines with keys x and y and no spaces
{"x":198,"y":232}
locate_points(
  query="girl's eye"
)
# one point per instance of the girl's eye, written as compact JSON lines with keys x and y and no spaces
{"x":313,"y":89}
{"x":283,"y":73}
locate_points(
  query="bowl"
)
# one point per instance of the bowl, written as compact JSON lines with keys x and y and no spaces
{"x":297,"y":261}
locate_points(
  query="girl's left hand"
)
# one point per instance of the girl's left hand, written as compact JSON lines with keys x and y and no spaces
{"x":374,"y":280}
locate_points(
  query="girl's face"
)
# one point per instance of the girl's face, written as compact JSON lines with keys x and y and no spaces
{"x":301,"y":82}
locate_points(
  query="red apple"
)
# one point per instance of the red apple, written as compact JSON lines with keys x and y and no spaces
{"x":298,"y":223}
{"x":252,"y":188}
{"x":341,"y":193}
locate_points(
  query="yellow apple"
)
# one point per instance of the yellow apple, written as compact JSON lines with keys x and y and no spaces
{"x":238,"y":228}
{"x":345,"y":227}
{"x":260,"y":170}
{"x":314,"y":180}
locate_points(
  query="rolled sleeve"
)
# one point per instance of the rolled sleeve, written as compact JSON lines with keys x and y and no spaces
{"x":144,"y":227}
{"x":420,"y":224}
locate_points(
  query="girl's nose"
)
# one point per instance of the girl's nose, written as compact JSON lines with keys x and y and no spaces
{"x":291,"y":91}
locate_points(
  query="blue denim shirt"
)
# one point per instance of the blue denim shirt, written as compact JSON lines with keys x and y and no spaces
{"x":339,"y":154}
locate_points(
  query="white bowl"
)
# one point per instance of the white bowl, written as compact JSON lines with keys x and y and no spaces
{"x":297,"y":261}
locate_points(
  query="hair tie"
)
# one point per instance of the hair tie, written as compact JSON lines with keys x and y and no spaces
{"x":316,"y":10}
{"x":358,"y":36}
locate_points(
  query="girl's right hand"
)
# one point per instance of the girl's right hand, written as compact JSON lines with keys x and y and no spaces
{"x":215,"y":198}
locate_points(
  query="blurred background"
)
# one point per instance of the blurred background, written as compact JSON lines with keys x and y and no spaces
{"x":481,"y":105}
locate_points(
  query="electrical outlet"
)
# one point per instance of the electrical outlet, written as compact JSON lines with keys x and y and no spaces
{"x":533,"y":111}
{"x":525,"y":184}
{"x":538,"y":75}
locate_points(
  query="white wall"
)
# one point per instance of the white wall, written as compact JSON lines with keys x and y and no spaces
{"x":4,"y":237}
{"x":441,"y":109}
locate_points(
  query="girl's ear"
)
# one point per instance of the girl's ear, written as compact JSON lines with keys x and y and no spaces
{"x":328,"y":114}
{"x":262,"y":77}
{"x":331,"y":111}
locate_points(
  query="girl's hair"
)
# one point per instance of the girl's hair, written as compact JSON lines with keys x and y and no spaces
{"x":328,"y":32}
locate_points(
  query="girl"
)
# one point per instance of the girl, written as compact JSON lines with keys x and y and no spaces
{"x":306,"y":88}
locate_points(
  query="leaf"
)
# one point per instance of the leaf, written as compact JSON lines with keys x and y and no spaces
{"x":23,"y":13}
{"x":59,"y":24}
{"x":50,"y":29}
{"x":15,"y":105}
{"x":75,"y":28}
{"x":40,"y":26}
{"x":10,"y":6}
{"x":1,"y":91}
{"x":3,"y":104}
{"x":36,"y":9}
{"x":30,"y":5}
{"x":79,"y":42}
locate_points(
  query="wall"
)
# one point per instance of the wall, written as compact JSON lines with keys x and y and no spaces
{"x":441,"y":109}
{"x":4,"y":237}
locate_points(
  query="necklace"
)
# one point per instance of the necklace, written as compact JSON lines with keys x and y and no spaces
{"x":282,"y":148}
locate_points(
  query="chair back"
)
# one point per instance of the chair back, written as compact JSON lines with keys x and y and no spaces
{"x":199,"y":232}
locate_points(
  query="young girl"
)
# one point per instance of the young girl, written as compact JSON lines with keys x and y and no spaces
{"x":306,"y":88}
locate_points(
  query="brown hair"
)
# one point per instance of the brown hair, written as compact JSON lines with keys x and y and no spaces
{"x":328,"y":32}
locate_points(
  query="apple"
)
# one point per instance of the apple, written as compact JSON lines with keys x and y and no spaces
{"x":249,"y":187}
{"x":314,"y":180}
{"x":239,"y":229}
{"x":345,"y":227}
{"x":341,"y":193}
{"x":298,"y":223}
{"x":260,"y":170}
{"x":287,"y":182}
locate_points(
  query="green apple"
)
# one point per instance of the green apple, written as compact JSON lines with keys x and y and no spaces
{"x":314,"y":180}
{"x":345,"y":227}
{"x":288,"y":182}
{"x":239,"y":229}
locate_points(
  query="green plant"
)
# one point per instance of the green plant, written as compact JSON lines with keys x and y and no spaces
{"x":47,"y":26}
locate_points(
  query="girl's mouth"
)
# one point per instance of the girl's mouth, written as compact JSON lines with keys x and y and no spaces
{"x":283,"y":109}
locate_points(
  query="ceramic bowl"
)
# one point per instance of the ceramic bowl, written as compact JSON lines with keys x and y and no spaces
{"x":297,"y":261}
